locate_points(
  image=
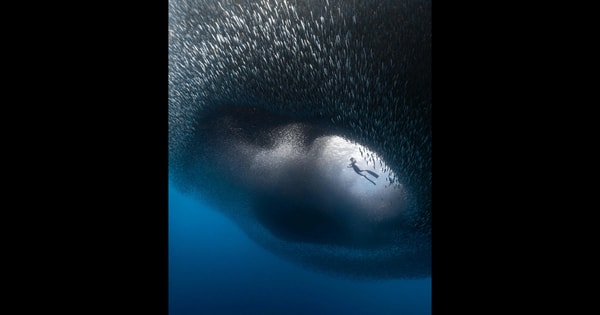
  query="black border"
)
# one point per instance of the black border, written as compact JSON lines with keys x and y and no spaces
{"x":95,"y":99}
{"x":138,"y":68}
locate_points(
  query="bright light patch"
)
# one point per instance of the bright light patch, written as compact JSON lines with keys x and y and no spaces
{"x":380,"y":196}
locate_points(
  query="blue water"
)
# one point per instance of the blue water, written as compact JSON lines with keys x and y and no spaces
{"x":214,"y":268}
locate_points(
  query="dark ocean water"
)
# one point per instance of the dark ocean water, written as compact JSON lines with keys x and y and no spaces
{"x":214,"y":268}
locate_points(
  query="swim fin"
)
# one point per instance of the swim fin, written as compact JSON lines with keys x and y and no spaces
{"x":373,"y":173}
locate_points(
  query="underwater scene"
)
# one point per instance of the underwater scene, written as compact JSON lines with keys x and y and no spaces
{"x":299,"y":157}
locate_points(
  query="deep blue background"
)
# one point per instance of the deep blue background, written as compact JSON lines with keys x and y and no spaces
{"x":214,"y":268}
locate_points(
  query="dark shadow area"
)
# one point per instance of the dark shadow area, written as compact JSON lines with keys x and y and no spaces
{"x":299,"y":222}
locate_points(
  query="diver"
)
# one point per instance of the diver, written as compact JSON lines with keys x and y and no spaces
{"x":359,"y":171}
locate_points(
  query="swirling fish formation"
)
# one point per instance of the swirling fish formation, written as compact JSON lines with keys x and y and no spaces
{"x":358,"y":69}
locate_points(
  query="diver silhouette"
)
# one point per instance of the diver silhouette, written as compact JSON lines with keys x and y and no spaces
{"x":359,"y":171}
